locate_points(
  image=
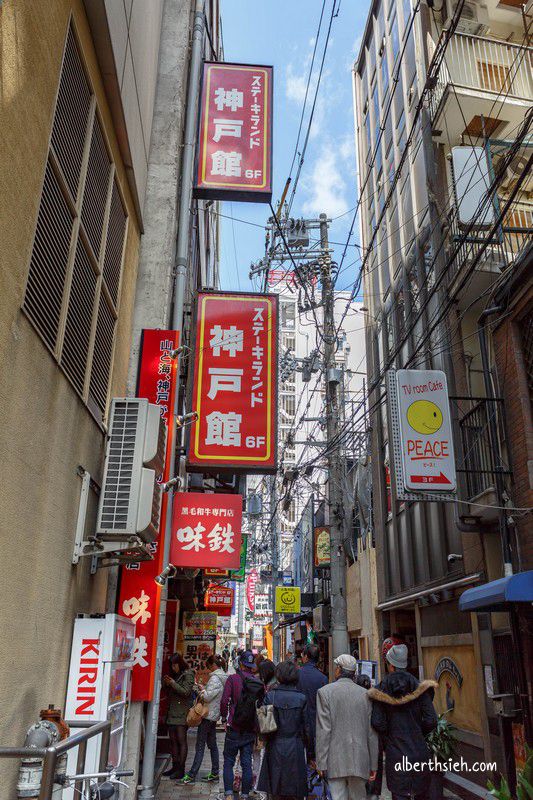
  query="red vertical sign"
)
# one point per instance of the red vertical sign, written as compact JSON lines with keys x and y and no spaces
{"x":234,"y":388}
{"x":235,"y":136}
{"x":139,"y":594}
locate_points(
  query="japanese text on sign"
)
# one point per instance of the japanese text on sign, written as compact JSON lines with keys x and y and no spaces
{"x":206,"y":530}
{"x":139,"y":597}
{"x":234,"y":382}
{"x":234,"y":156}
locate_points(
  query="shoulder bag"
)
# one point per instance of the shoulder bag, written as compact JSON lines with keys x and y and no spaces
{"x":266,"y":719}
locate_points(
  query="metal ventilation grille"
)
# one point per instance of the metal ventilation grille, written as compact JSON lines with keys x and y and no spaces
{"x":114,"y":244}
{"x":71,"y":116}
{"x":96,"y":189}
{"x":79,"y":318}
{"x":49,"y":260}
{"x":73,"y":287}
{"x":119,"y":467}
{"x":103,"y":350}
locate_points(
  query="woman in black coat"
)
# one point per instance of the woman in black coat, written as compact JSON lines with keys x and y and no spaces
{"x":284,"y":769}
{"x":403,"y":714}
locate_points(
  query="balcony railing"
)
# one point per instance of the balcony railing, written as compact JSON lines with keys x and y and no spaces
{"x":485,"y":65}
{"x":478,"y":462}
{"x":504,"y":246}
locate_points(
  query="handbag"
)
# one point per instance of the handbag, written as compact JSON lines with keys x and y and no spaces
{"x":266,"y":719}
{"x":197,"y":713}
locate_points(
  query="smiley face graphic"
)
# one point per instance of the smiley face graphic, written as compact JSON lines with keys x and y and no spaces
{"x":424,"y":417}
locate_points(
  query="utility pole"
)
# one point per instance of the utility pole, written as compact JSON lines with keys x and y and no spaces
{"x":333,"y":376}
{"x":275,"y":566}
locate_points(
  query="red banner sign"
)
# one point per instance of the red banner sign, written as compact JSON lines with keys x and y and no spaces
{"x":235,"y":383}
{"x":251,"y":582}
{"x":235,"y":136}
{"x":139,"y":594}
{"x":206,"y":530}
{"x":219,"y":599}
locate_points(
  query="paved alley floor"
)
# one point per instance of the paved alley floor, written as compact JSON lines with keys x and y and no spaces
{"x":170,"y":790}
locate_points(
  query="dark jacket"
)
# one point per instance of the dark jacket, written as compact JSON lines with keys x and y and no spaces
{"x":284,"y":770}
{"x":181,"y":698}
{"x":232,"y":692}
{"x":403,"y":714}
{"x":310,"y":680}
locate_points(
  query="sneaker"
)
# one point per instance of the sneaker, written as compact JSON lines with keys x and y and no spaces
{"x":210,"y":777}
{"x":187,"y":779}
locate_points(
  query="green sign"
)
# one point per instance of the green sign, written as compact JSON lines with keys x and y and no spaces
{"x":239,"y":574}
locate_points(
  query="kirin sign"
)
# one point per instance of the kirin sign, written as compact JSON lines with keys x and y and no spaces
{"x":235,"y":383}
{"x":206,"y":530}
{"x":234,"y":158}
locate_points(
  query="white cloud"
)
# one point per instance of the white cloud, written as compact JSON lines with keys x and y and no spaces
{"x":295,"y":86}
{"x":325,"y":187}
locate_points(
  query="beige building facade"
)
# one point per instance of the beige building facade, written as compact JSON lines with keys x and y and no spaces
{"x":73,"y":165}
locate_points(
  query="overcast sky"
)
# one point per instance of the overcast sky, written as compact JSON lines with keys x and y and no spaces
{"x":282,"y":33}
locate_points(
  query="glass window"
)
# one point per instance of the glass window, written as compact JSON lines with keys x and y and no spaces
{"x":375,"y":103}
{"x":388,"y":324}
{"x":395,"y":39}
{"x":288,"y":315}
{"x":406,"y":6}
{"x":398,"y":102}
{"x":394,"y":239}
{"x":410,"y":60}
{"x":384,"y":76}
{"x":384,"y":267}
{"x":368,"y":136}
{"x":378,"y":162}
{"x":408,"y":223}
{"x":388,"y":133}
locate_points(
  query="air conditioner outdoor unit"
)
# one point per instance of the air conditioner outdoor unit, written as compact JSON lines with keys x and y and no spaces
{"x":515,"y":169}
{"x":474,"y":19}
{"x":130,"y":499}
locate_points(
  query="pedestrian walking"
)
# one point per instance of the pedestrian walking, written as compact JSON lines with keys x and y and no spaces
{"x":403,"y":714}
{"x":267,"y":673}
{"x":242,"y":692}
{"x":310,"y":680}
{"x":207,"y":730}
{"x":180,"y":685}
{"x":284,"y":770}
{"x":346,"y":744}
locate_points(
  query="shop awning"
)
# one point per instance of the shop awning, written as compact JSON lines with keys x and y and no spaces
{"x":293,"y":620}
{"x":494,"y":596}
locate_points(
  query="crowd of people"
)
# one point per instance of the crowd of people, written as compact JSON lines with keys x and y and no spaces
{"x":336,"y":733}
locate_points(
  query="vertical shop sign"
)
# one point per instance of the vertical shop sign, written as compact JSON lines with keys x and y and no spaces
{"x":199,"y":640}
{"x":234,"y":158}
{"x":139,"y":595}
{"x":235,"y":383}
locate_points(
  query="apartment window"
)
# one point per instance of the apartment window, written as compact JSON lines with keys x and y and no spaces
{"x":395,"y":39}
{"x":288,"y":341}
{"x":375,"y":103}
{"x":406,"y":7}
{"x":384,"y":76}
{"x":410,"y":60}
{"x":288,"y":315}
{"x":73,"y":286}
{"x":368,"y":129}
{"x":397,"y":100}
{"x":288,"y":406}
{"x":388,"y":133}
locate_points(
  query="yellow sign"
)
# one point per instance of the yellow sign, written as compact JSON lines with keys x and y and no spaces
{"x":288,"y":600}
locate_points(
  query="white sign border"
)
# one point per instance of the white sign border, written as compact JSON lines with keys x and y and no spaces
{"x":396,"y":445}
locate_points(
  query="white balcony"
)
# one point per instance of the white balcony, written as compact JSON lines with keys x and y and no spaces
{"x":483,"y":83}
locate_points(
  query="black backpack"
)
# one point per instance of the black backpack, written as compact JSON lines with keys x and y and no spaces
{"x":244,"y":716}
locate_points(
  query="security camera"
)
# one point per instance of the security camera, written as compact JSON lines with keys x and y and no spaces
{"x":454,"y":557}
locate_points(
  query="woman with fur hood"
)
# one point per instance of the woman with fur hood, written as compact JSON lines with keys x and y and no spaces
{"x":403,"y":714}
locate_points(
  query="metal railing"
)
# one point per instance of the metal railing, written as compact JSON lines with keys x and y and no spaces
{"x":477,"y":457}
{"x":503,"y":248}
{"x":485,"y":65}
{"x":52,"y":754}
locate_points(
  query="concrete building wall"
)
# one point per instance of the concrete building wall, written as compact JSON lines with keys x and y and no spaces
{"x":46,"y":431}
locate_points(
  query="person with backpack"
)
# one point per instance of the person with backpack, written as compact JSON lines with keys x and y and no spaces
{"x":403,"y":714}
{"x":243,"y":692}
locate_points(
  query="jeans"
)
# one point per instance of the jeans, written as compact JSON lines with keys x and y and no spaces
{"x":207,"y":734}
{"x":178,"y":747}
{"x":242,"y":743}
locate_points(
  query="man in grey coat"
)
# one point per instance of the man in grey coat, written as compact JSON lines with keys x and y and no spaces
{"x":346,"y":744}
